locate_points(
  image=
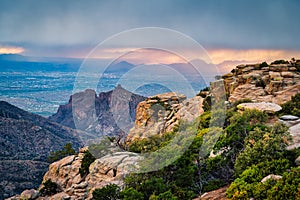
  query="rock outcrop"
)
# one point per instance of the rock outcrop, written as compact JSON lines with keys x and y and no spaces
{"x":25,"y":142}
{"x":110,"y":113}
{"x":110,"y":169}
{"x":275,"y":83}
{"x":161,"y":113}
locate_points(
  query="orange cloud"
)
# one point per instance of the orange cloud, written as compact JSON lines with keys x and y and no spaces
{"x":139,"y":56}
{"x":217,"y":56}
{"x":251,"y":55}
{"x":11,"y":49}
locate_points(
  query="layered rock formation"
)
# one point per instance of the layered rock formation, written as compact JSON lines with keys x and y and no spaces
{"x":110,"y":113}
{"x":263,"y":83}
{"x":25,"y":142}
{"x":161,"y":113}
{"x":110,"y":169}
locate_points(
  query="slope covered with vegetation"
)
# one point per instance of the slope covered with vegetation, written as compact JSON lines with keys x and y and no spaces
{"x":248,"y":150}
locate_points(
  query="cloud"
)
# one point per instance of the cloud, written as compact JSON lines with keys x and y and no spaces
{"x":251,"y":55}
{"x":139,"y":55}
{"x":256,"y":24}
{"x":11,"y":50}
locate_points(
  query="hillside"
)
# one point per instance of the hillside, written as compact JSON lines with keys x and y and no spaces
{"x":25,"y":141}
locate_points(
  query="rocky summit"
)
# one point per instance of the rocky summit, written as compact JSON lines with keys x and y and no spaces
{"x":275,"y":83}
{"x":110,"y":113}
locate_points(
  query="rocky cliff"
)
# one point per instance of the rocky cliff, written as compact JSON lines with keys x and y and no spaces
{"x":110,"y":113}
{"x":25,"y":142}
{"x":275,"y":83}
{"x":161,"y":113}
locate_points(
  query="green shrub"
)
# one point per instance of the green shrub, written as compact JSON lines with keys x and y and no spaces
{"x":276,"y":62}
{"x":109,"y":192}
{"x":131,"y":194}
{"x":49,"y":188}
{"x":291,"y":107}
{"x":204,"y":120}
{"x":207,"y":102}
{"x":163,"y":196}
{"x":67,"y":150}
{"x":263,"y":64}
{"x":213,"y":185}
{"x":286,"y":188}
{"x":262,"y":146}
{"x":87,"y":160}
{"x":260,"y":83}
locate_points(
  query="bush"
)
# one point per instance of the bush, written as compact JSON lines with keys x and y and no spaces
{"x":49,"y":188}
{"x":249,"y":185}
{"x":213,"y":185}
{"x":263,"y":64}
{"x":67,"y":150}
{"x":131,"y":194}
{"x":291,"y":107}
{"x":163,"y":196}
{"x":286,"y":188}
{"x":87,"y":160}
{"x":260,"y":83}
{"x":207,"y":102}
{"x":276,"y":62}
{"x":261,"y":146}
{"x":109,"y":192}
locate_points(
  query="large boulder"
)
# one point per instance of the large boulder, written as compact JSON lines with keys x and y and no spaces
{"x":261,"y":106}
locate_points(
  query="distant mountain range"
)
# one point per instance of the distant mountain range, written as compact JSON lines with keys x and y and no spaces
{"x":17,"y":62}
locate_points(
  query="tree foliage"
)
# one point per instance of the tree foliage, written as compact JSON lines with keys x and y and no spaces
{"x":49,"y":188}
{"x":67,"y":150}
{"x":291,"y":107}
{"x":109,"y":192}
{"x":87,"y":160}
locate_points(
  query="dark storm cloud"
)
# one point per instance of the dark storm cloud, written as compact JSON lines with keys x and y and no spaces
{"x":214,"y":23}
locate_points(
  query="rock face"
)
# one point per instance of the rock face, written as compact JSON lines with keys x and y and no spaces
{"x":111,"y":113}
{"x":275,"y":83}
{"x":110,"y":169}
{"x":25,"y":142}
{"x":161,"y":113}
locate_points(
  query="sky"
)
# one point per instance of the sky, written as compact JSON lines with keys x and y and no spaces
{"x":230,"y":30}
